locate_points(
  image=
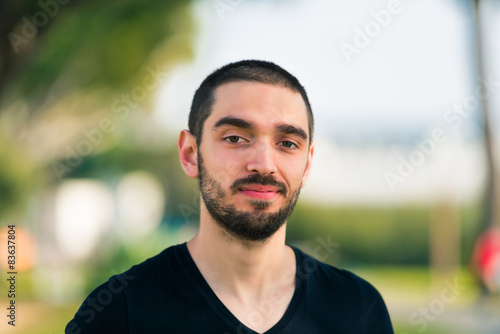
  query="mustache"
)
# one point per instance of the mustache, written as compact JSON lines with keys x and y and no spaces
{"x":264,"y":180}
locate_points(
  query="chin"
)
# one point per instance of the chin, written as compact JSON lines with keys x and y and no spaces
{"x":261,"y":205}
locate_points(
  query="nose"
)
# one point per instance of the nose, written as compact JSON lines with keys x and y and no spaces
{"x":261,"y":159}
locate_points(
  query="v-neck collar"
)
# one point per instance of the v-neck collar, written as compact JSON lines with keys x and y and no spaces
{"x":194,"y":274}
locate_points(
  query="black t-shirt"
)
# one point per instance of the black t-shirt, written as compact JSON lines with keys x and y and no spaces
{"x":167,"y":294}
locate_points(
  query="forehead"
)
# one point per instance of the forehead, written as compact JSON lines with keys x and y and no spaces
{"x":259,"y":102}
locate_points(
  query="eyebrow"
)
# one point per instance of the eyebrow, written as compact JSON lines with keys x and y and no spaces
{"x":233,"y":121}
{"x":240,"y":123}
{"x":291,"y":130}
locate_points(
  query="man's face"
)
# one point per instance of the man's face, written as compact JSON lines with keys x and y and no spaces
{"x":253,"y":158}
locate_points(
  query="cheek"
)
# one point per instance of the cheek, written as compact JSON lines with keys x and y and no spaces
{"x":224,"y":168}
{"x":224,"y":176}
{"x":294,"y":173}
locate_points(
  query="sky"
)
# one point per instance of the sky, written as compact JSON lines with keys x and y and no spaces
{"x":382,"y":77}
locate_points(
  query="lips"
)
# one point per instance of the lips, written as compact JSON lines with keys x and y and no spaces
{"x":259,"y":186}
{"x":259,"y":191}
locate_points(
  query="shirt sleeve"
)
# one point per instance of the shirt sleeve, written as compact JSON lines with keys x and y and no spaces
{"x":103,"y":311}
{"x":376,"y":316}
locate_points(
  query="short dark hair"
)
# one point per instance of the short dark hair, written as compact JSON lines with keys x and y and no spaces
{"x":245,"y":70}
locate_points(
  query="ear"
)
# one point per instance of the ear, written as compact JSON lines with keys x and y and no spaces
{"x":308,"y":165}
{"x":188,"y":153}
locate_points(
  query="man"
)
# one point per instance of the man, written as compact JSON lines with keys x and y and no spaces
{"x":250,"y":146}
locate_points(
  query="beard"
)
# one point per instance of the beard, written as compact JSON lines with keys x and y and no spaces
{"x":254,"y":225}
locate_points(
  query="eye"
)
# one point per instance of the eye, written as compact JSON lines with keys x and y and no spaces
{"x":233,"y":139}
{"x":288,"y":144}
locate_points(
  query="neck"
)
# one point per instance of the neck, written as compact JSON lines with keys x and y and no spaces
{"x":237,"y":267}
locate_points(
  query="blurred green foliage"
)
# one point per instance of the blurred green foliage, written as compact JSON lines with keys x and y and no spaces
{"x":382,"y":235}
{"x":110,"y":165}
{"x":61,"y":77}
{"x":15,"y":184}
{"x":98,"y":45}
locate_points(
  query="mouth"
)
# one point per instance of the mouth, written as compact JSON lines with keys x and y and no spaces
{"x":260,"y":192}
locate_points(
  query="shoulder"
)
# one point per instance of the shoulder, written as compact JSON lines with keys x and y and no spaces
{"x":153,"y":270}
{"x":108,"y":304}
{"x":330,"y":280}
{"x":343,"y":293}
{"x":156,"y":264}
